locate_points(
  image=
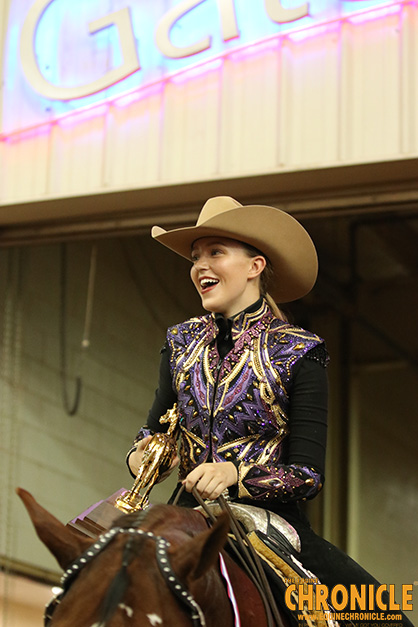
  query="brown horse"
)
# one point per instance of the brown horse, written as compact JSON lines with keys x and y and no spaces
{"x":158,"y":567}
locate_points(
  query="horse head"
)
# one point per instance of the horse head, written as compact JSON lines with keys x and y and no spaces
{"x":158,"y":567}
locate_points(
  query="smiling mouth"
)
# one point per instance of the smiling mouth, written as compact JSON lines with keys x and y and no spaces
{"x":206,"y":284}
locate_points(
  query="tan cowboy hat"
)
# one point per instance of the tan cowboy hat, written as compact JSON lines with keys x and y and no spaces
{"x":272,"y":231}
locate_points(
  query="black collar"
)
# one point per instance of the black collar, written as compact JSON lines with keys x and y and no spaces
{"x":224,"y":323}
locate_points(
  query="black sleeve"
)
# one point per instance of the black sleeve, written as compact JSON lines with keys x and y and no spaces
{"x":302,"y":474}
{"x":308,"y":415}
{"x":165,"y":397}
{"x":164,"y":400}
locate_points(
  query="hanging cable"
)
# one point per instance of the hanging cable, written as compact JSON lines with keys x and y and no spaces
{"x":90,"y":295}
{"x":72,"y":407}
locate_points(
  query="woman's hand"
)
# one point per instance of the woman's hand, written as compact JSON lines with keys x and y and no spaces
{"x":211,"y":479}
{"x":135,"y":459}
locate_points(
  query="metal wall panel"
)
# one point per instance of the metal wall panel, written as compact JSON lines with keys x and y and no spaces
{"x":134,"y":137}
{"x":77,"y":156}
{"x":190,"y":129}
{"x":371,"y":90}
{"x":25,"y":167}
{"x":250,"y":112}
{"x":409,"y":78}
{"x":310,"y":121}
{"x":343,"y":93}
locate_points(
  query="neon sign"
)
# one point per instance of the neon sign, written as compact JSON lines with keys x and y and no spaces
{"x":207,"y":27}
{"x":67,"y":59}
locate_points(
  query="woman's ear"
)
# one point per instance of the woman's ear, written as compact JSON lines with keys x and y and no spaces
{"x":258,"y":264}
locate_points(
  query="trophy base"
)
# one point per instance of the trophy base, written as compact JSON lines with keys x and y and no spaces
{"x":99,"y":517}
{"x":128,"y":507}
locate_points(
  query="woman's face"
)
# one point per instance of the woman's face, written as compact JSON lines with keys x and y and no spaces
{"x":224,"y":275}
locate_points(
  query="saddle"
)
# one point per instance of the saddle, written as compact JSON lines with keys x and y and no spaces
{"x":277,"y":545}
{"x":266,"y":523}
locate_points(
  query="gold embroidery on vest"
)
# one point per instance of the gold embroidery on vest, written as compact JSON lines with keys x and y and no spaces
{"x":266,"y":393}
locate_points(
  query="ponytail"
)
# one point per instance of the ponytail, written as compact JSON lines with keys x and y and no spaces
{"x":266,"y":278}
{"x":275,"y":308}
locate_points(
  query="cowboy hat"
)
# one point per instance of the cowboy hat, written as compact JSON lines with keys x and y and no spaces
{"x":273,"y":232}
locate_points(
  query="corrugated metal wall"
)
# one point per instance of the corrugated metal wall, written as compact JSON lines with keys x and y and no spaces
{"x":339,"y":94}
{"x":72,"y":462}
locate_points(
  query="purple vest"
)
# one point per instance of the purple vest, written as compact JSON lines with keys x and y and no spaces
{"x":235,"y":409}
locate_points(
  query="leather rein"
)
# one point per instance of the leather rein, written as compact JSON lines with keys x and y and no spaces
{"x":246,"y":556}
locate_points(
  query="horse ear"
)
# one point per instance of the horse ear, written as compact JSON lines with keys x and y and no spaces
{"x":63,"y":543}
{"x":197,"y":555}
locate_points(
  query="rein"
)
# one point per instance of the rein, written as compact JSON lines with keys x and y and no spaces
{"x":246,"y":555}
{"x":163,"y":561}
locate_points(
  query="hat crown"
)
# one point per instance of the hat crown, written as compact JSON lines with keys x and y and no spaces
{"x":215,"y":206}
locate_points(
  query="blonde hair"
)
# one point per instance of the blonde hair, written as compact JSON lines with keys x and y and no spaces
{"x":266,"y":278}
{"x":275,"y":308}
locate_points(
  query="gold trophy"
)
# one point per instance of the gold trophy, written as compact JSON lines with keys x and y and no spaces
{"x":157,"y":459}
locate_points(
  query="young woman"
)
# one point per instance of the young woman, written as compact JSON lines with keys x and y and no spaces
{"x":251,"y":388}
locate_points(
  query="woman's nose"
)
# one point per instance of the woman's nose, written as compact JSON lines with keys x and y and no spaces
{"x":201,"y":263}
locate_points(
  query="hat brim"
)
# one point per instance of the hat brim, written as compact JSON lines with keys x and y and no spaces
{"x":272,"y":231}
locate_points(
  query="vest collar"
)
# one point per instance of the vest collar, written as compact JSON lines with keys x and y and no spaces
{"x":242,"y":321}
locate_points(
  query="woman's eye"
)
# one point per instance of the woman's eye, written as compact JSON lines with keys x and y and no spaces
{"x":216,"y":251}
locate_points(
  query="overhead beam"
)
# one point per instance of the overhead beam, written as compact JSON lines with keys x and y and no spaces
{"x":371,"y":188}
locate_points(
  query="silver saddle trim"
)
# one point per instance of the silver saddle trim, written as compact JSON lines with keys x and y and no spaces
{"x":257,"y":519}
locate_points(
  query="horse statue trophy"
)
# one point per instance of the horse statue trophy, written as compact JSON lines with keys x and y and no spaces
{"x":157,"y":459}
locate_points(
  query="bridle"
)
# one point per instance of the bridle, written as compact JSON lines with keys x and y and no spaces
{"x":163,"y":561}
